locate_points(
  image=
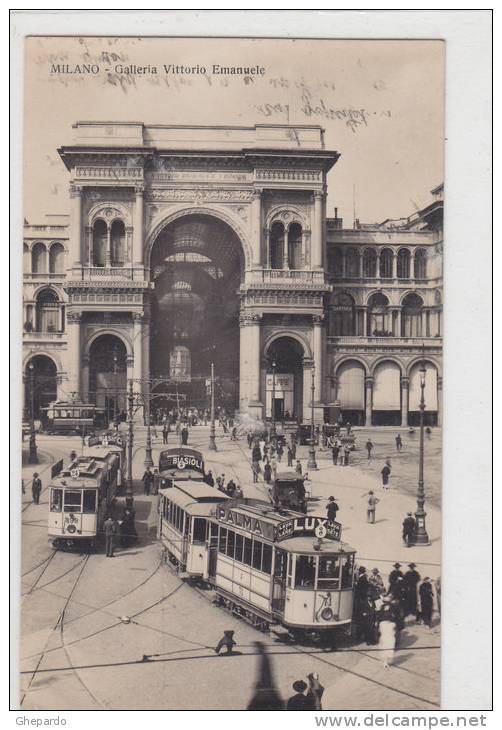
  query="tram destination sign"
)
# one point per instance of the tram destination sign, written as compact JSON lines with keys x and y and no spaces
{"x":301,"y":526}
{"x":106,"y":439}
{"x":181,"y":460}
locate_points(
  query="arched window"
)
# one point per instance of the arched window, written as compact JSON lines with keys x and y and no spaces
{"x":99,"y":240}
{"x":411,"y":317}
{"x":369,"y":263}
{"x":47,"y":311}
{"x":352,"y":262}
{"x":335,"y":261}
{"x":26,"y":259}
{"x":39,"y":258}
{"x":386,"y":261}
{"x":118,"y":243}
{"x":56,"y":258}
{"x":342,"y":319}
{"x":276,"y":246}
{"x":295,"y":246}
{"x":403,"y":264}
{"x":420,"y":264}
{"x":378,"y":316}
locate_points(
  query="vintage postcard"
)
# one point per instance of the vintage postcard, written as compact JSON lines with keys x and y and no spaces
{"x":232,"y":373}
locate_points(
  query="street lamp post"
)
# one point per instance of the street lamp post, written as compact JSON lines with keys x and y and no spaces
{"x":148,"y":447}
{"x":115,"y":360}
{"x":130,"y":438}
{"x":311,"y":463}
{"x":274,"y":365}
{"x":32,"y":456}
{"x":421,"y":536}
{"x":212,"y":441}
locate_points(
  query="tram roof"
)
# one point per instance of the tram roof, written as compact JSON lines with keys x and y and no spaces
{"x":89,"y":469}
{"x":192,"y":492}
{"x":305,"y":546}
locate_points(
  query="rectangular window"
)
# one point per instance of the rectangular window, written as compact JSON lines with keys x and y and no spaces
{"x":257,"y":551}
{"x":347,"y":571}
{"x":329,"y":573}
{"x":72,"y":501}
{"x":230,"y":544}
{"x":56,"y":500}
{"x":267,"y":559}
{"x":305,"y":571}
{"x":238,"y":547}
{"x":222,"y":542}
{"x":281,"y":562}
{"x":246,"y":555}
{"x":188,"y":519}
{"x":199,"y":530}
{"x":89,"y":501}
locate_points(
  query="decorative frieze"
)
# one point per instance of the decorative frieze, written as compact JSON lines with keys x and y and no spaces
{"x":113,"y":172}
{"x":200,"y":195}
{"x":198,"y":176}
{"x":294,"y":175}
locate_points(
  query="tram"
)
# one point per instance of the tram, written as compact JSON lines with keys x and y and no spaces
{"x":69,"y":417}
{"x":79,"y":499}
{"x":100,"y":446}
{"x":271,"y":566}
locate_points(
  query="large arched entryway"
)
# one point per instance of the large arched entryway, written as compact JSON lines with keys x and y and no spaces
{"x":43,"y":378}
{"x":108,"y":375}
{"x":196,"y":266}
{"x":284,"y":392}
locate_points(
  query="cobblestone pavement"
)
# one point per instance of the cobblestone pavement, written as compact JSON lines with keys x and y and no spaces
{"x":83,"y":641}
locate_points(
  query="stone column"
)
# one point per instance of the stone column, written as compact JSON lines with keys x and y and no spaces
{"x":73,"y":339}
{"x":317,"y":342}
{"x":440,"y":400}
{"x":138,"y":225}
{"x":394,"y":265}
{"x":108,"y":258}
{"x":317,"y":238}
{"x":369,"y":399}
{"x":365,"y":322}
{"x":85,"y":378}
{"x":249,"y":375}
{"x":88,"y":238}
{"x":306,"y":248}
{"x":256,"y":227}
{"x":76,"y":224}
{"x":145,"y":354}
{"x":129,"y":232}
{"x":268,"y":253}
{"x":137,"y":345}
{"x":378,"y":265}
{"x":405,"y":384}
{"x":307,"y":385}
{"x":285,"y":250}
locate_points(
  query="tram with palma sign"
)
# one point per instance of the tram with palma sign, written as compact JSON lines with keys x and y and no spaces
{"x":269,"y":565}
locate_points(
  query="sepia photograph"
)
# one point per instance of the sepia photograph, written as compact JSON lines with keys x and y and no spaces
{"x":232,"y":374}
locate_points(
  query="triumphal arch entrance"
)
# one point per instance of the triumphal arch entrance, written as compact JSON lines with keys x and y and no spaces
{"x":199,"y":245}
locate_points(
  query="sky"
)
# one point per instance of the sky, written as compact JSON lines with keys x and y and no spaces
{"x":381,"y":104}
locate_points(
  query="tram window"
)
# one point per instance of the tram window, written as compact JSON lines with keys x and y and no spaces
{"x":199,"y":530}
{"x":222,"y":542}
{"x":56,"y":500}
{"x":238,"y":547}
{"x":305,"y":571}
{"x":257,"y":551}
{"x":329,"y":573}
{"x":72,"y":501}
{"x":281,"y":563}
{"x":267,"y":559}
{"x":246,"y":556}
{"x":186,"y":528}
{"x":89,"y":501}
{"x":230,"y":544}
{"x":347,"y":571}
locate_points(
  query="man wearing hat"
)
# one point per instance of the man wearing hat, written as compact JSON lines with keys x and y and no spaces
{"x":332,"y":508}
{"x":426,"y":601}
{"x":36,"y":488}
{"x":300,"y":701}
{"x":408,"y":529}
{"x":411,"y":579}
{"x":394,"y":576}
{"x":376,"y":584}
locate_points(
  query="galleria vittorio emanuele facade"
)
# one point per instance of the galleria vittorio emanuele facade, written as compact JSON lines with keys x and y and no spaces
{"x":187,"y":246}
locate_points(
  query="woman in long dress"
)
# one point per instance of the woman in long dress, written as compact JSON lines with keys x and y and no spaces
{"x":387,"y":640}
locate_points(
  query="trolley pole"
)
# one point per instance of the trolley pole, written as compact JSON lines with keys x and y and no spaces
{"x":212,"y":441}
{"x":421,"y":536}
{"x":274,"y":365}
{"x":311,"y":463}
{"x":130,"y":439}
{"x":32,"y":456}
{"x":148,"y":448}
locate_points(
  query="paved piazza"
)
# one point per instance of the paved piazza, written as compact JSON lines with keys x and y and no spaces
{"x":78,"y":643}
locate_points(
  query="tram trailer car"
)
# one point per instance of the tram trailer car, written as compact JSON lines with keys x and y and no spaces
{"x":68,"y":418}
{"x":79,"y":498}
{"x":268,"y":566}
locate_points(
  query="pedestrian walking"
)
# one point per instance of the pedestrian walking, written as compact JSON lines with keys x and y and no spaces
{"x":426,"y":601}
{"x":394,"y":575}
{"x":408,"y":529}
{"x":300,"y":701}
{"x":361,"y":595}
{"x":156,"y":481}
{"x":332,"y":508}
{"x":348,"y":427}
{"x":369,"y":448}
{"x":73,"y":455}
{"x":387,"y":633}
{"x":36,"y":488}
{"x":165,"y":434}
{"x":316,"y":690}
{"x":371,"y":507}
{"x":147,"y":479}
{"x":411,"y":579}
{"x":110,"y":529}
{"x":290,"y":456}
{"x":273,"y":466}
{"x":267,"y":472}
{"x":128,"y":528}
{"x":227,"y":641}
{"x":184,"y":436}
{"x":280,"y":451}
{"x":399,"y":443}
{"x":346,"y":454}
{"x":335,"y":450}
{"x":386,"y":474}
{"x":298,"y":467}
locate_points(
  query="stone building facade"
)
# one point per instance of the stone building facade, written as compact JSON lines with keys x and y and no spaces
{"x":191,"y":245}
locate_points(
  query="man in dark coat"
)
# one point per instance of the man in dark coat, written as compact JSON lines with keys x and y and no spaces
{"x":110,"y":529}
{"x":300,"y":701}
{"x":394,"y":575}
{"x":165,"y":433}
{"x":147,"y":480}
{"x":361,"y":603}
{"x":208,"y":478}
{"x":184,"y":436}
{"x":332,"y":508}
{"x":411,"y":579}
{"x":386,"y":474}
{"x":369,"y":448}
{"x":426,"y":601}
{"x":36,"y":488}
{"x":408,"y":529}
